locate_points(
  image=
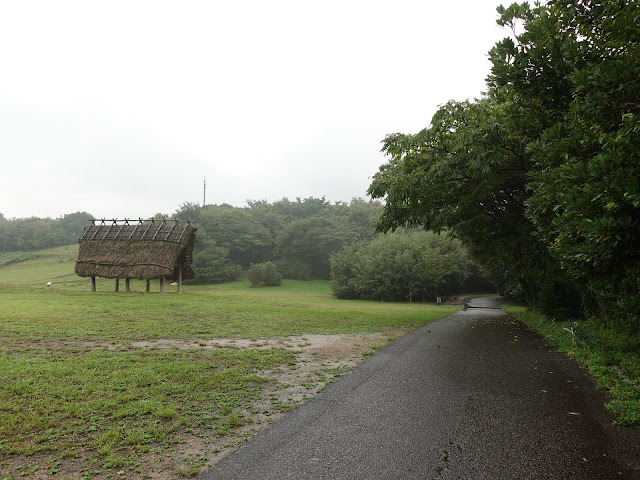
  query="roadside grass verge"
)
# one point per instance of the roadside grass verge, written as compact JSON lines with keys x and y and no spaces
{"x":612,"y":355}
{"x":78,"y":399}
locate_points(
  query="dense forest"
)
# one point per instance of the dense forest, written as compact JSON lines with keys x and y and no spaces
{"x":301,"y":239}
{"x":29,"y":234}
{"x":540,"y":178}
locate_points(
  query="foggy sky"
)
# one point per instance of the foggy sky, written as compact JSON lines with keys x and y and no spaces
{"x":121,"y":108}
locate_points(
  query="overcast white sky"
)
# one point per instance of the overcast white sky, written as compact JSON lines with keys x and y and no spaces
{"x":121,"y":108}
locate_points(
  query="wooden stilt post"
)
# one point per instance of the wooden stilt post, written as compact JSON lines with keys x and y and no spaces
{"x":148,"y":288}
{"x":127,"y":283}
{"x":93,"y":284}
{"x":117,"y":284}
{"x":180,"y":279}
{"x":162,"y":284}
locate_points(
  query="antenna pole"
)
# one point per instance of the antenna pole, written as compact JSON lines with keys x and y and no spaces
{"x":204,"y":192}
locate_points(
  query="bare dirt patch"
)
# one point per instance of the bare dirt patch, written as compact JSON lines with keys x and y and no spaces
{"x":319,"y":360}
{"x":339,"y":346}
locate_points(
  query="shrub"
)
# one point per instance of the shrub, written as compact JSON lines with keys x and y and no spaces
{"x":264,"y":274}
{"x":212,"y":265}
{"x":294,"y":269}
{"x":415,"y":266}
{"x":16,"y":257}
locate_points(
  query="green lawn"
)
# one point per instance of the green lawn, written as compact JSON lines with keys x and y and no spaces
{"x":235,"y":310}
{"x":73,"y":386}
{"x":51,"y":265}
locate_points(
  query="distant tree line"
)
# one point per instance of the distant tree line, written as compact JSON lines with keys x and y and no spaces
{"x":298,"y":236}
{"x":313,"y":238}
{"x":300,"y":239}
{"x":29,"y":234}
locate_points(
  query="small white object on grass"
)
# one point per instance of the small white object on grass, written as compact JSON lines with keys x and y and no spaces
{"x":49,"y":284}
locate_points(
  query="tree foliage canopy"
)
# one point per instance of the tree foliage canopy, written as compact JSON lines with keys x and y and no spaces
{"x":414,"y":266}
{"x":34,"y":233}
{"x":540,"y":178}
{"x":299,"y":237}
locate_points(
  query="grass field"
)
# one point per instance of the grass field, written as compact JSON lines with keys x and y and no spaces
{"x":54,"y":264}
{"x":81,"y":398}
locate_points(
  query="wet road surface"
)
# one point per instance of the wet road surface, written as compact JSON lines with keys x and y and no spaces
{"x":476,"y":395}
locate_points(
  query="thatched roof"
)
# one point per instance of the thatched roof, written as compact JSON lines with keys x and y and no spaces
{"x":143,"y":249}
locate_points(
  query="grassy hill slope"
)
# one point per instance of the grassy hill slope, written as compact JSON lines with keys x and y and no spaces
{"x":50,"y":265}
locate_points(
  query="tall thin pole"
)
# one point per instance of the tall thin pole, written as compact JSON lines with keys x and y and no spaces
{"x":204,"y":193}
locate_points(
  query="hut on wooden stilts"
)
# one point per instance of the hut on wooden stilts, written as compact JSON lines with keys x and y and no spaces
{"x":142,"y":249}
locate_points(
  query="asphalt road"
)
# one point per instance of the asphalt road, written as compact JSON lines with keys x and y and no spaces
{"x":475,"y":395}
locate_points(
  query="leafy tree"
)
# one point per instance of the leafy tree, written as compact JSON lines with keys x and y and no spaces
{"x":299,"y":236}
{"x":313,"y":240}
{"x":301,"y":208}
{"x":212,"y":265}
{"x":467,"y":174}
{"x":575,"y":73}
{"x":161,"y":216}
{"x":541,"y":176}
{"x":416,"y":266}
{"x":266,"y":215}
{"x":25,"y":234}
{"x":246,"y":240}
{"x":294,"y":268}
{"x":360,"y":214}
{"x":73,"y":225}
{"x":189,"y":211}
{"x":586,"y":201}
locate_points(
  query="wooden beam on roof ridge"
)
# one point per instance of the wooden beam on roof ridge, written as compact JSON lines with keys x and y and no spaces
{"x":134,"y":231}
{"x":147,"y":230}
{"x":139,"y":220}
{"x":184,"y":230}
{"x":109,"y":230}
{"x":170,"y":231}
{"x":158,"y":231}
{"x":126,"y":222}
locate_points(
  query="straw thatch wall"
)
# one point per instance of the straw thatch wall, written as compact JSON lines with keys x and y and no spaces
{"x":142,"y":251}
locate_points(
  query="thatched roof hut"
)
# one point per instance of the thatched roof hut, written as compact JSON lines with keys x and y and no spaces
{"x":142,"y":249}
